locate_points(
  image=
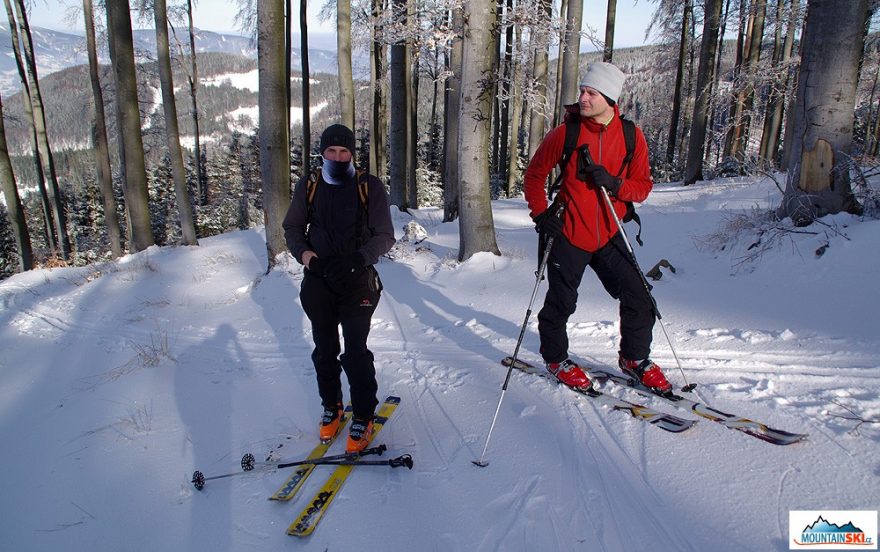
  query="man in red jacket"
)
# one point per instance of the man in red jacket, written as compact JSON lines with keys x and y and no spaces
{"x":587,"y":234}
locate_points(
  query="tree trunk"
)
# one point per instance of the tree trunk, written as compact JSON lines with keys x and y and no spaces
{"x":558,"y":101}
{"x":45,"y":202}
{"x":507,"y":84}
{"x":697,"y":141}
{"x":201,"y":177}
{"x":274,"y":132}
{"x":102,"y":152}
{"x":818,"y":182}
{"x":745,"y":98}
{"x":377,"y":84}
{"x":13,"y":204}
{"x":343,"y":59}
{"x":55,"y":197}
{"x":476,"y":229}
{"x":306,"y":100}
{"x":540,"y":104}
{"x":412,"y":105}
{"x":129,"y":122}
{"x":172,"y":134}
{"x":679,"y":77}
{"x":516,"y":96}
{"x":791,"y":92}
{"x":451,"y":114}
{"x":571,"y":57}
{"x":610,"y":17}
{"x":398,"y":140}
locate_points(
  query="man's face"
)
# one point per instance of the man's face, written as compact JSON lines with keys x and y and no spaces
{"x":337,"y":153}
{"x":592,"y":104}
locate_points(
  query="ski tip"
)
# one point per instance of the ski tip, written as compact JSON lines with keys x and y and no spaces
{"x":392,"y":399}
{"x":689,"y":388}
{"x":480,"y":463}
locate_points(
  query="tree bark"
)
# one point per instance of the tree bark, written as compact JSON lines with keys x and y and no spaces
{"x":378,"y":120}
{"x":201,"y":177}
{"x":540,"y":99}
{"x":401,"y":88}
{"x":129,"y":122}
{"x":818,"y":183}
{"x":451,"y":114}
{"x":679,"y":77}
{"x":14,"y":209}
{"x":476,"y":229}
{"x":571,"y":56}
{"x":343,"y":60}
{"x":102,"y":151}
{"x":610,"y":17}
{"x":56,"y":200}
{"x":306,"y":88}
{"x":705,"y":73}
{"x":274,"y":132}
{"x":172,"y":134}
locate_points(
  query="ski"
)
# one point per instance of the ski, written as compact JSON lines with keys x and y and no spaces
{"x":731,"y":421}
{"x":295,"y":482}
{"x":306,"y":522}
{"x":662,"y":420}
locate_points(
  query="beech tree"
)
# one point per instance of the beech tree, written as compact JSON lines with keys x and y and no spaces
{"x":129,"y":122}
{"x":172,"y":134}
{"x":476,"y":227}
{"x":818,"y":180}
{"x":274,"y":131}
{"x":14,"y":209}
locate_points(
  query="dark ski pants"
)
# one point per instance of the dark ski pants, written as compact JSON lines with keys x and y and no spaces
{"x":615,"y":269}
{"x":352,"y":309}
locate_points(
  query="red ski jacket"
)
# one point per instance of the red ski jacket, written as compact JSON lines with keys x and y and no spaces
{"x":586,"y":221}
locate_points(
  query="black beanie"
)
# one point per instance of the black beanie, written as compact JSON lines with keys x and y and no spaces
{"x":337,"y":135}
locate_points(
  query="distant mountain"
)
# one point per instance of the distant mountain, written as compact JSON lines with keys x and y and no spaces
{"x":56,"y":50}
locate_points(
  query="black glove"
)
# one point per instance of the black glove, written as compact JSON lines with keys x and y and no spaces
{"x":603,"y":179}
{"x":548,"y":224}
{"x":318,"y":266}
{"x":343,"y":269}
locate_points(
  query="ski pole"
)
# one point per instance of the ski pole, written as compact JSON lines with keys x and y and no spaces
{"x":539,"y":276}
{"x":404,"y":461}
{"x":248,"y":465}
{"x":688,"y":387}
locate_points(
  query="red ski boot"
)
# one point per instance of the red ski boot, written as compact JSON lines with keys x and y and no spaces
{"x":647,"y":373}
{"x":570,"y":374}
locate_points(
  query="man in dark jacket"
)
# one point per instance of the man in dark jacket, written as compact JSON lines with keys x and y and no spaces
{"x":337,"y":226}
{"x":587,"y":234}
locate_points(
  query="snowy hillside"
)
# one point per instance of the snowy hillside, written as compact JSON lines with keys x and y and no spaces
{"x":117,"y":381}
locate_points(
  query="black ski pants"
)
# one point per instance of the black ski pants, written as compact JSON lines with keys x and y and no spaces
{"x":351,"y":308}
{"x":615,"y":269}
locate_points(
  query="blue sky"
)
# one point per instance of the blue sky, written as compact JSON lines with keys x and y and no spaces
{"x":218,"y":15}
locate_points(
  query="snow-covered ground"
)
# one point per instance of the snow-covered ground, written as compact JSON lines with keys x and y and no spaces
{"x":117,"y":381}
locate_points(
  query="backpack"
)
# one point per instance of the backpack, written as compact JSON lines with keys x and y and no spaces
{"x":572,"y":131}
{"x":363,"y":190}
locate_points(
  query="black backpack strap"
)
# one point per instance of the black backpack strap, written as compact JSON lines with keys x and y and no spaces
{"x":572,"y":131}
{"x":362,"y":179}
{"x":629,"y":138}
{"x":311,"y":188}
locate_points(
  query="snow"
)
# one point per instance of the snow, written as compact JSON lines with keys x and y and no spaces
{"x":118,"y":380}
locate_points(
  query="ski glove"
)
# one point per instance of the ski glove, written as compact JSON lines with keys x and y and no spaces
{"x":318,"y":266}
{"x":603,"y":179}
{"x":342,"y":270}
{"x":548,"y":224}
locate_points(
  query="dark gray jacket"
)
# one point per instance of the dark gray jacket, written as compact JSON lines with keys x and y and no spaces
{"x":334,"y":221}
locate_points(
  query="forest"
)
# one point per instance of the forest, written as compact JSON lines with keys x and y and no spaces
{"x":163,"y":147}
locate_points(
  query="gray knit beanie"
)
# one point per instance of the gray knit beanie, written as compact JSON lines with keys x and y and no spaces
{"x":604,"y":77}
